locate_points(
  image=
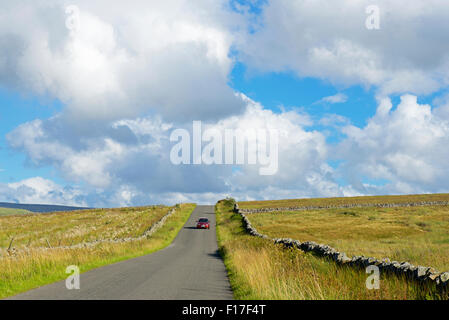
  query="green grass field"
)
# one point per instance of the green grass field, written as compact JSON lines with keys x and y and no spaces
{"x":259,"y":269}
{"x":10,"y":211}
{"x":419,"y":235}
{"x":35,"y":266}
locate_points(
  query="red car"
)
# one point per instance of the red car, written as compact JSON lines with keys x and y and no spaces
{"x":203,"y":223}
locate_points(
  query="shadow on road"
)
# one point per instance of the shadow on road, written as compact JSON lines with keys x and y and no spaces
{"x":216,"y":254}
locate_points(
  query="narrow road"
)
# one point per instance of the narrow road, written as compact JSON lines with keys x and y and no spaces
{"x":190,"y":268}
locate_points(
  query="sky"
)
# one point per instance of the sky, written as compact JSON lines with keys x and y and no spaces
{"x":91,"y":92}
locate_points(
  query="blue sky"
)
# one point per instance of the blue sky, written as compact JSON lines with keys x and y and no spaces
{"x":287,"y":90}
{"x":17,"y":109}
{"x":88,"y":100}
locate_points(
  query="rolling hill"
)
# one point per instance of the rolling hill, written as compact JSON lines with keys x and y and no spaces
{"x":39,"y":208}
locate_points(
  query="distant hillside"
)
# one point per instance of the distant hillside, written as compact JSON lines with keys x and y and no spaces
{"x":41,"y":208}
{"x":9,"y":211}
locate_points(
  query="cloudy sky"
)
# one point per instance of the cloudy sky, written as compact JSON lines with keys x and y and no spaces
{"x":90,"y":92}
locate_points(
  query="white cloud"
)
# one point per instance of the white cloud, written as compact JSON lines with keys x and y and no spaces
{"x":124,"y":60}
{"x":329,"y":40}
{"x":337,"y":98}
{"x":38,"y":190}
{"x":128,"y":161}
{"x":406,"y":146}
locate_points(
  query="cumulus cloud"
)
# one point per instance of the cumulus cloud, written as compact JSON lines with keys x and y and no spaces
{"x":133,"y":165}
{"x":405,"y":146}
{"x":121,"y":59}
{"x":329,"y":40}
{"x":41,"y":191}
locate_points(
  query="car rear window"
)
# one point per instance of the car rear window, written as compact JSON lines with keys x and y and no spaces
{"x":204,"y":220}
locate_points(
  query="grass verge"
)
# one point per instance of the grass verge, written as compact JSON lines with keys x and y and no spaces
{"x":38,"y":267}
{"x":259,"y":269}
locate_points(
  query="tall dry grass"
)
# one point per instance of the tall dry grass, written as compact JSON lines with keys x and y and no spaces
{"x":259,"y":269}
{"x":39,"y":266}
{"x":419,"y":235}
{"x":68,"y":228}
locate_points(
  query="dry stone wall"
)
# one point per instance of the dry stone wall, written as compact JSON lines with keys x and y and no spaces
{"x":421,"y":274}
{"x":348,"y":206}
{"x":148,"y":233}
